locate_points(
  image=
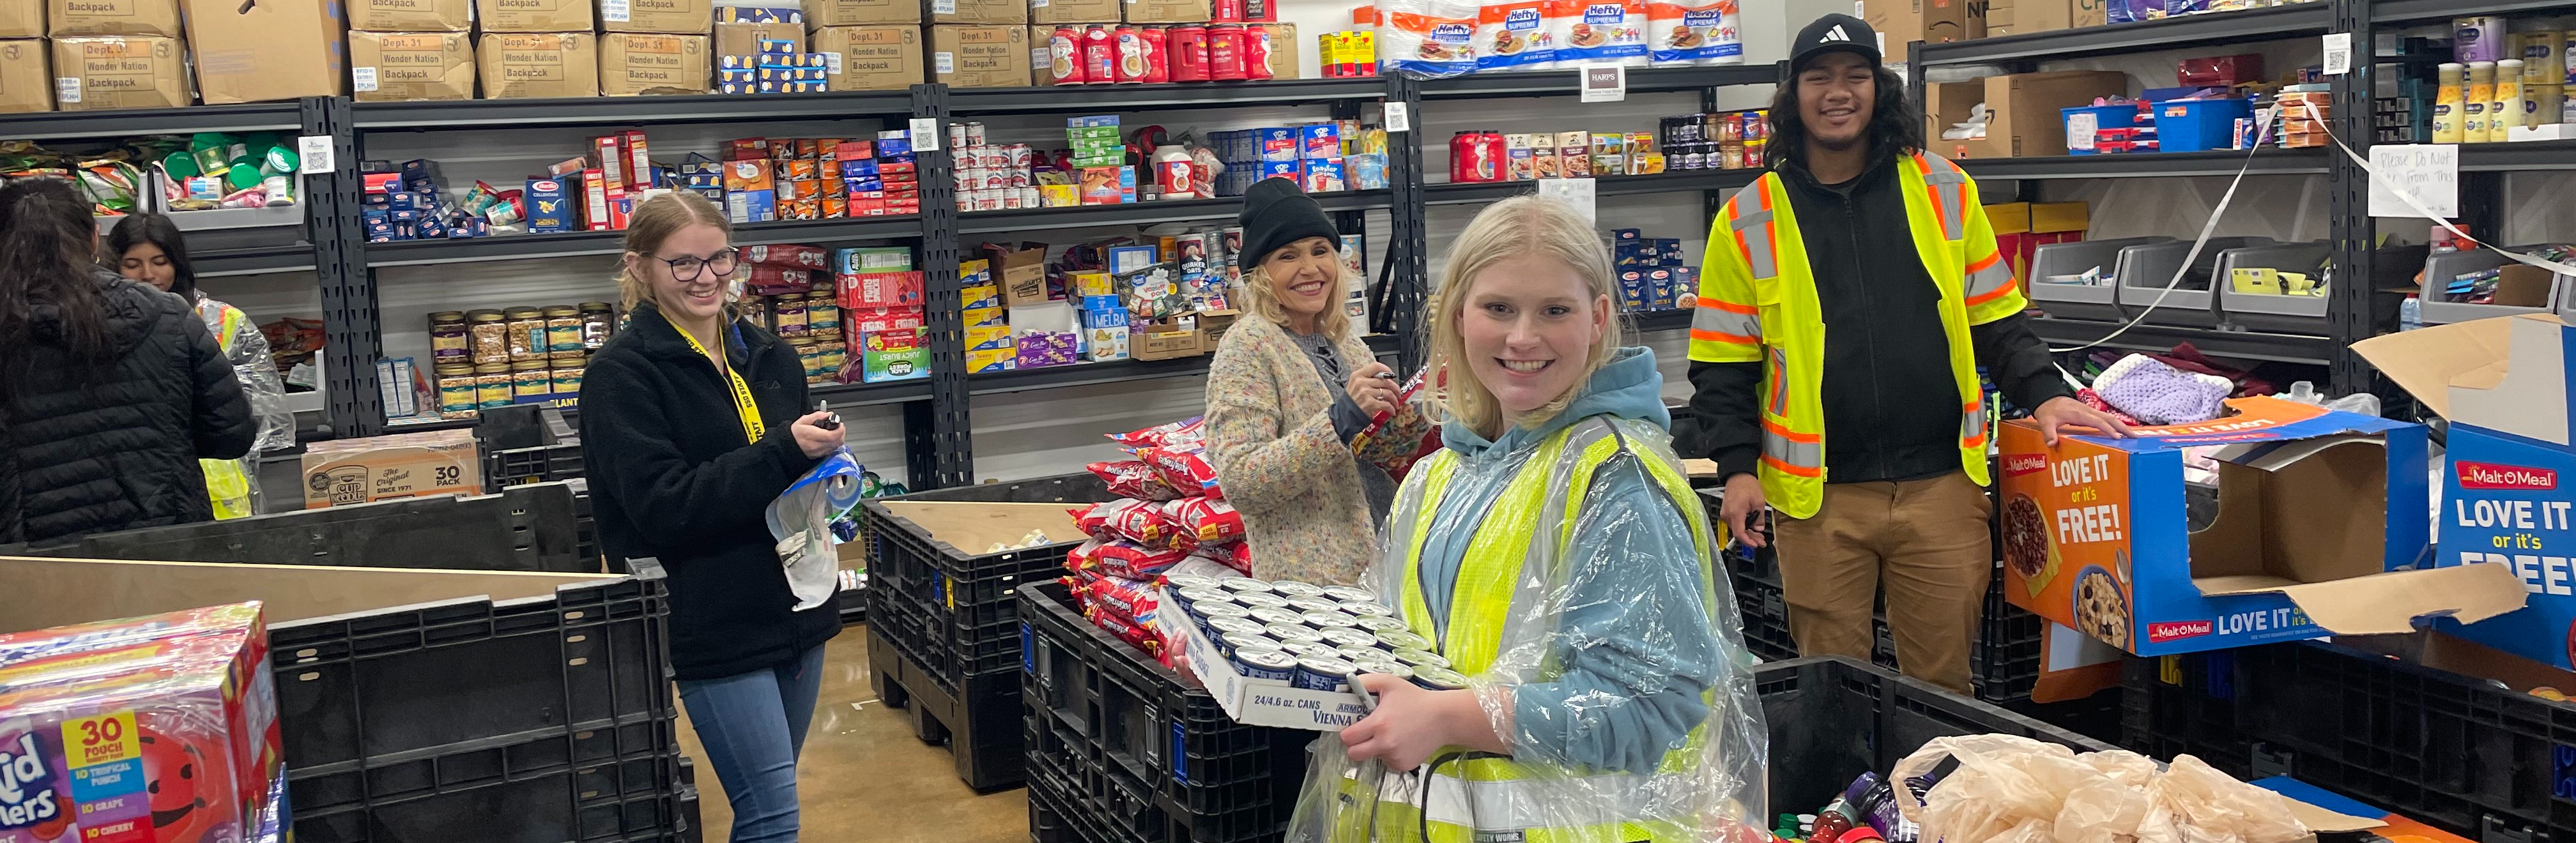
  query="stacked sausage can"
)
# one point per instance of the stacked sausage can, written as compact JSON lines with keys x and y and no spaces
{"x":1318,"y":638}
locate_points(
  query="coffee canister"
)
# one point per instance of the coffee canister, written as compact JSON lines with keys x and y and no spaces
{"x":1189,"y":49}
{"x":1225,"y":53}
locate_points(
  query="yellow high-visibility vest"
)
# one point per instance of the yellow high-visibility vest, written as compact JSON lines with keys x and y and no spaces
{"x":228,"y":482}
{"x":1757,"y":303}
{"x":1486,"y":798}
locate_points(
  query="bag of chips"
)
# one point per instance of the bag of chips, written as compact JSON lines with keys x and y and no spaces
{"x":1127,"y":518}
{"x":1134,"y":599}
{"x":1185,"y":467}
{"x":1236,"y":555}
{"x":1136,"y":634}
{"x":1121,"y":558}
{"x":1184,"y":432}
{"x":1202,"y":520}
{"x":1134,"y":479}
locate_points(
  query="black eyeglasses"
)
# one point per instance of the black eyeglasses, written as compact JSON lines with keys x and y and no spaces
{"x":689,"y":267}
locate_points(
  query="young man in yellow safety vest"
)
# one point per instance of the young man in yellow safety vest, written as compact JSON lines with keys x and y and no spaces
{"x":1846,"y":301}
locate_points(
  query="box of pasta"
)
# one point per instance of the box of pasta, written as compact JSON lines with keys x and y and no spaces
{"x":2320,"y":530}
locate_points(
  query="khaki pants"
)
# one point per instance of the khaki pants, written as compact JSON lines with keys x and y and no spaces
{"x":1926,"y":540}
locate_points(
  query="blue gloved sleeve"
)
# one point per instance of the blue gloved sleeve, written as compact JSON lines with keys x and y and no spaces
{"x":1635,"y":639}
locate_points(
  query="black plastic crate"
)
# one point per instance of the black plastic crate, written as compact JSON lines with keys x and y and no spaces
{"x":1832,"y":718}
{"x":2187,"y":705}
{"x":369,"y":691}
{"x":522,"y":466}
{"x":610,"y":784}
{"x":965,"y":597}
{"x":978,"y":718}
{"x":524,"y":528}
{"x":1093,"y":700}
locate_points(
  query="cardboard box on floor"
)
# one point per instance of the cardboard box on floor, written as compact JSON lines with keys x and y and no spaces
{"x":984,"y":12}
{"x":267,"y":50}
{"x":668,"y":17}
{"x":113,"y":72}
{"x":2509,"y":487}
{"x":26,"y":77}
{"x":403,"y":465}
{"x":411,"y":15}
{"x":2026,"y":120}
{"x":112,"y":17}
{"x":2319,"y":531}
{"x":22,"y":18}
{"x":36,"y":593}
{"x":822,"y":13}
{"x":871,"y":58}
{"x":399,"y":66}
{"x":632,"y":64}
{"x":519,"y":64}
{"x":535,"y":16}
{"x":980,"y":56}
{"x":1052,"y":12}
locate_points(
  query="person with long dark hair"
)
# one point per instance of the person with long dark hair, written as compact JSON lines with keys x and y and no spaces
{"x":110,"y":391}
{"x":148,"y":248}
{"x":1848,"y":298}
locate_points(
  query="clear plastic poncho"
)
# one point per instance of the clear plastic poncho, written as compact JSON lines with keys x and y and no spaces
{"x":233,"y":485}
{"x":1583,"y":612}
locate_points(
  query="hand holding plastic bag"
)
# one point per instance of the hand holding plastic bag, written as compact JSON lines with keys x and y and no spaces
{"x":805,"y":520}
{"x":2010,"y":789}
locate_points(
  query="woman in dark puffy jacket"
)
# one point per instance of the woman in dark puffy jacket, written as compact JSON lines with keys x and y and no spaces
{"x":110,"y":391}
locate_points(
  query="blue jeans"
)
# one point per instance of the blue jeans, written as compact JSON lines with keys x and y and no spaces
{"x":753,"y":726}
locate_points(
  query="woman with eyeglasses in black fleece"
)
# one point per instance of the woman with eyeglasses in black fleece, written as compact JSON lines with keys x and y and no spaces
{"x":692,"y":422}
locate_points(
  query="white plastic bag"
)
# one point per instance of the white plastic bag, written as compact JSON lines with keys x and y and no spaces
{"x":2010,"y":789}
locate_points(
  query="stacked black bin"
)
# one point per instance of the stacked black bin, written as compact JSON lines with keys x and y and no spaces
{"x":944,"y":631}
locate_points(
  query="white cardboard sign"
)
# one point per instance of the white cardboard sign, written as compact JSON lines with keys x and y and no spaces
{"x":2431,"y":172}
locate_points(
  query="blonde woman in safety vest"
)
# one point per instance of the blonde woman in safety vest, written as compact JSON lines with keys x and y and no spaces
{"x":1556,"y":557}
{"x":1846,"y":303}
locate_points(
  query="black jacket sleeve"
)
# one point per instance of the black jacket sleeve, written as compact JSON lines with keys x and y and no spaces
{"x":675,"y":505}
{"x":2017,"y":360}
{"x":1726,"y":404}
{"x":223,"y":425}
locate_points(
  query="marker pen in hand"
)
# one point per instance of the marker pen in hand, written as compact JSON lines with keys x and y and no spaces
{"x":833,"y":423}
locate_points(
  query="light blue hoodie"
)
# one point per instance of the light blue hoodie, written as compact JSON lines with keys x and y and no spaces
{"x":1635,"y":644}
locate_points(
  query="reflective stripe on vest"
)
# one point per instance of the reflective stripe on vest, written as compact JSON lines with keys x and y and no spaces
{"x":1988,"y":280}
{"x":1754,"y":232}
{"x":1723,"y":321}
{"x":1947,"y":184}
{"x":1802,"y":454}
{"x":1504,"y":806}
{"x":1972,"y":425}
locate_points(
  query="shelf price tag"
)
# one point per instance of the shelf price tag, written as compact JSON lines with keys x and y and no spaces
{"x":1399,"y":117}
{"x":314,"y":154}
{"x":2338,"y":53}
{"x":925,"y":134}
{"x":2429,"y":172}
{"x":1605,"y":83}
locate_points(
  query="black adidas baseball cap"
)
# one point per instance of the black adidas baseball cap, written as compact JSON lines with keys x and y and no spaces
{"x":1834,"y":34}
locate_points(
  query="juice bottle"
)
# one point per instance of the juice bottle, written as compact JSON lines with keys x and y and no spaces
{"x":2473,"y":105}
{"x":2446,"y":104}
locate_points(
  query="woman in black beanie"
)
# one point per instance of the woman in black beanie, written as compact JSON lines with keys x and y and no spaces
{"x":1290,"y":389}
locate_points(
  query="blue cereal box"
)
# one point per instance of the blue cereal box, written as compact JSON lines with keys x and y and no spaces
{"x":2507,"y":501}
{"x":2320,"y":531}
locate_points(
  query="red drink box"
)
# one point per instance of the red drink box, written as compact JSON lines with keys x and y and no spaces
{"x":160,"y":729}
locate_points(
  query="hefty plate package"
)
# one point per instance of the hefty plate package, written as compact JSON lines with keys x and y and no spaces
{"x":1517,"y":34}
{"x":161,"y":728}
{"x":1601,"y":31}
{"x":2319,"y":531}
{"x":2507,"y":498}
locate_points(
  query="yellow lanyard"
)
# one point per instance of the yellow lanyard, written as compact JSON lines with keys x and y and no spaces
{"x":743,"y":406}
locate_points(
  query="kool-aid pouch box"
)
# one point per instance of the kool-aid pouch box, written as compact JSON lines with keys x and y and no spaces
{"x":152,"y":730}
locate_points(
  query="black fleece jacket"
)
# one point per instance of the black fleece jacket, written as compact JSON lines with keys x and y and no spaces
{"x":1891,"y":405}
{"x":671,"y":477}
{"x":89,"y":449}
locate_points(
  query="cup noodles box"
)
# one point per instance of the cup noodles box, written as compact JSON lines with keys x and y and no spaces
{"x":161,"y":728}
{"x":2507,"y":497}
{"x":2319,"y":531}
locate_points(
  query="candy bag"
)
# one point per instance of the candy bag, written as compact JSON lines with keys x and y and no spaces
{"x":1126,"y":518}
{"x":1134,"y":479}
{"x":1235,"y":555}
{"x":1203,"y":520}
{"x":1185,"y":431}
{"x":1132,"y":598}
{"x":1185,"y":467}
{"x":1121,"y":558}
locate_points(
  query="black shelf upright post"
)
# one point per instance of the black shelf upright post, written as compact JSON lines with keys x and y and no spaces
{"x":2349,"y":304}
{"x":939,"y":442}
{"x":353,"y":335}
{"x":1408,"y":256}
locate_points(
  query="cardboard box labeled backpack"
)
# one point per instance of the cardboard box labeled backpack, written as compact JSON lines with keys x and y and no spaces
{"x":1052,"y":12}
{"x":411,"y":15}
{"x":513,"y":65}
{"x":668,"y":17}
{"x":2509,"y":484}
{"x":113,"y":72}
{"x":112,"y":17}
{"x":26,"y":79}
{"x":267,"y":50}
{"x":22,"y":18}
{"x":980,"y":56}
{"x":822,"y":13}
{"x":2320,"y":531}
{"x":632,"y":64}
{"x":871,"y":58}
{"x":399,"y":66}
{"x":537,"y":16}
{"x":986,"y":12}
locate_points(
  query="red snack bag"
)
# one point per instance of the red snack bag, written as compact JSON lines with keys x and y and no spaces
{"x":1136,"y":635}
{"x":1132,"y":598}
{"x":1185,"y":431}
{"x":1126,"y":518}
{"x":1185,"y":467}
{"x":1236,"y":555}
{"x":1083,"y":559}
{"x":1134,"y":479}
{"x":1203,"y":520}
{"x":1136,"y":562}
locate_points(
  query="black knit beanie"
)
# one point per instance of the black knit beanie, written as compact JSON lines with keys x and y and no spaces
{"x":1275,"y":214}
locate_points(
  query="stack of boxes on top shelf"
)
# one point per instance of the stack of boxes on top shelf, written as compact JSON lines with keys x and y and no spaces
{"x":86,"y":55}
{"x":775,"y":65}
{"x":429,"y":50}
{"x":1653,"y":273}
{"x":882,"y":304}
